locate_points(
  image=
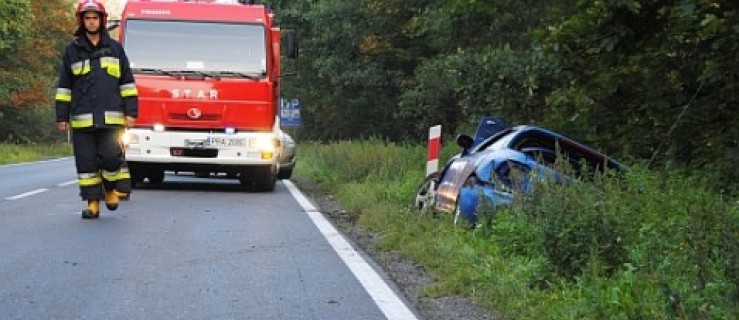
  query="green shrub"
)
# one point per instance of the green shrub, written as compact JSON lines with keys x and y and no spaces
{"x":649,"y":245}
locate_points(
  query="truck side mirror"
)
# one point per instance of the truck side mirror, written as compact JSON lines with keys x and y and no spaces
{"x":112,"y":25}
{"x":291,"y":44}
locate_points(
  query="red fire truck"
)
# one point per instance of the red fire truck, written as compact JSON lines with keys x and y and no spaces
{"x":208,"y":76}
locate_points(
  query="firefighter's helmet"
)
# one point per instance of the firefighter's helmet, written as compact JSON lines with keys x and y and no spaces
{"x":94,"y":6}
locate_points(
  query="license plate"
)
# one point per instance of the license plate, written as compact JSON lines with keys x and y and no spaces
{"x":226,"y":142}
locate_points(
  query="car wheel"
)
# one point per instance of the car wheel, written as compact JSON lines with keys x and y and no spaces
{"x":425,"y":197}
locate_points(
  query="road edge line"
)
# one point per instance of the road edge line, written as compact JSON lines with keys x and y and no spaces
{"x":8,"y":165}
{"x":385,"y":298}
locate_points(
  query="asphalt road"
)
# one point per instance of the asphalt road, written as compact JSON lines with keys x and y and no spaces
{"x":191,"y":248}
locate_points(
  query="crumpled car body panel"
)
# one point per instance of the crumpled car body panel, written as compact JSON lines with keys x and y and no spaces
{"x":509,"y":160}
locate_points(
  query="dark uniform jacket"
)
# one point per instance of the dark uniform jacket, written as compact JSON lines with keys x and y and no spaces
{"x":96,"y":87}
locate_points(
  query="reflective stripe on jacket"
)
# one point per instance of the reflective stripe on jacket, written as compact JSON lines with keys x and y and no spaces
{"x":96,"y":87}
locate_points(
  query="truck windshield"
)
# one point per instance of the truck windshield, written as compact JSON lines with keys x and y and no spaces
{"x":196,"y":46}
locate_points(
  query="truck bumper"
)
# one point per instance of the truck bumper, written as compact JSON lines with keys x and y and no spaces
{"x":178,"y":149}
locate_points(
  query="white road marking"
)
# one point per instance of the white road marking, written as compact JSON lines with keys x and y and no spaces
{"x":29,"y":193}
{"x":33,"y":162}
{"x":385,"y":298}
{"x":37,"y":191}
{"x":64,"y":184}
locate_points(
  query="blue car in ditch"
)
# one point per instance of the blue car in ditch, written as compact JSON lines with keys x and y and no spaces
{"x":501,"y":160}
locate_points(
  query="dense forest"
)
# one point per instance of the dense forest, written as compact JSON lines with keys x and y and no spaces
{"x":654,"y":81}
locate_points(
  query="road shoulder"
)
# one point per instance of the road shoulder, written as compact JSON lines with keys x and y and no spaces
{"x":407,"y":275}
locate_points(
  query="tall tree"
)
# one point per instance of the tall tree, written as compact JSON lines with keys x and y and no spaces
{"x":354,"y":56}
{"x":485,"y":61}
{"x":652,"y":78}
{"x":647,"y":79}
{"x":33,"y":35}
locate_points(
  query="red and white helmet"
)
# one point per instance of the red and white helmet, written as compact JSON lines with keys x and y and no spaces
{"x":91,"y":5}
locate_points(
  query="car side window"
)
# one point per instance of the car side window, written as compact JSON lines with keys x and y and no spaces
{"x":513,"y":175}
{"x":541,"y":148}
{"x":542,"y":155}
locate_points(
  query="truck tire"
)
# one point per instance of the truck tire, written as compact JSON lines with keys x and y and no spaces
{"x":137,"y":175}
{"x":285,"y":173}
{"x":141,"y":171}
{"x":261,"y":179}
{"x":155,"y":175}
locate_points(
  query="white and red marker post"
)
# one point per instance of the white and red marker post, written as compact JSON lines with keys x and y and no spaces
{"x":432,"y":157}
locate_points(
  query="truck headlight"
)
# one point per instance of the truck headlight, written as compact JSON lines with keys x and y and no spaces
{"x":267,"y":147}
{"x":266,"y":144}
{"x":128,"y":138}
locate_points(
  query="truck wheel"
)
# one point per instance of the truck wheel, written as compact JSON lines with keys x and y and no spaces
{"x":156,"y":176}
{"x":136,"y":175}
{"x":262,"y":178}
{"x":285,"y":173}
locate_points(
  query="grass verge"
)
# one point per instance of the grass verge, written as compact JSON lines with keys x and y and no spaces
{"x":655,"y":245}
{"x":16,"y":153}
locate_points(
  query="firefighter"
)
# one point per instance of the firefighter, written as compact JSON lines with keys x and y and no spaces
{"x":96,"y":96}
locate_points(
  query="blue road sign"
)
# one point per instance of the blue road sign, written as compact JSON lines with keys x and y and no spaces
{"x":290,"y":113}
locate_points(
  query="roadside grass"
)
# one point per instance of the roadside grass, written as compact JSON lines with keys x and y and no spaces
{"x":651,"y":245}
{"x":16,"y":153}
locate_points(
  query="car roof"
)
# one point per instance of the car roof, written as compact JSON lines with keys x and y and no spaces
{"x":516,"y":137}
